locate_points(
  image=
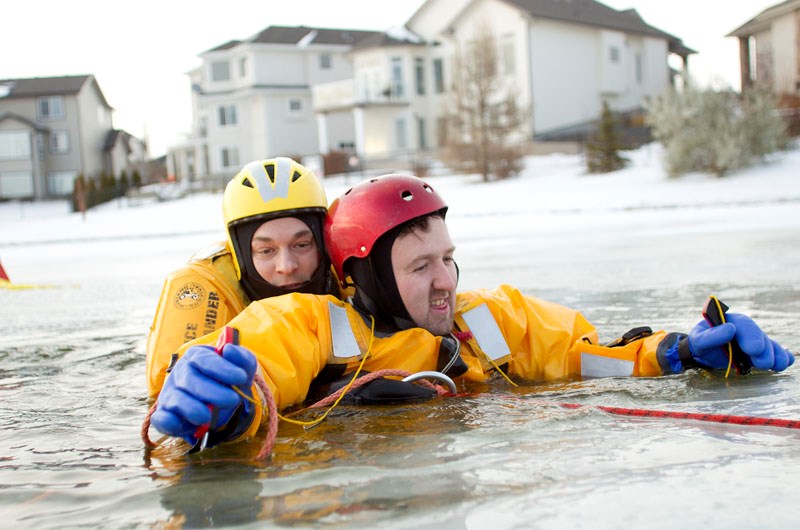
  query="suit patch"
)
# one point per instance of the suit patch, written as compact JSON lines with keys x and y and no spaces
{"x":484,"y":328}
{"x":189,"y":296}
{"x":601,"y":366}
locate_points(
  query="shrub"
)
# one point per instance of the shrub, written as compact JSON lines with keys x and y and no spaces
{"x":715,"y":131}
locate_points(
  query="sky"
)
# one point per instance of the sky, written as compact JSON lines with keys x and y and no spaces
{"x":140,"y":52}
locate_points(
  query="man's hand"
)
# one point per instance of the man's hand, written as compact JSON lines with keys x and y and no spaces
{"x":707,"y":344}
{"x":202,"y":378}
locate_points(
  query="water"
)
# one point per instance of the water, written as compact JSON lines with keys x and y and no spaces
{"x":72,"y":399}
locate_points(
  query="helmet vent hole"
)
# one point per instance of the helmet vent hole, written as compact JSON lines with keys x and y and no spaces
{"x":406,"y":195}
{"x":296,"y":175}
{"x":246,"y":182}
{"x":427,"y":188}
{"x":270,"y":172}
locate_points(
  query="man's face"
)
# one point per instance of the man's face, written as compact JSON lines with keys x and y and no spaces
{"x":426,"y":276}
{"x":284,"y":252}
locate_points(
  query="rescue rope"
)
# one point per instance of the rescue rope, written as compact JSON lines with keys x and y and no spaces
{"x":272,"y":410}
{"x":698,"y":416}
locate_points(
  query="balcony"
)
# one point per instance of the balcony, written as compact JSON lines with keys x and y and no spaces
{"x":339,"y":95}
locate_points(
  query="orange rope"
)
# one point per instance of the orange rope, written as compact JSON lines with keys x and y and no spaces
{"x":272,"y":410}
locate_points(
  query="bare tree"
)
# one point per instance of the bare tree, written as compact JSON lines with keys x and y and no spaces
{"x":485,"y":123}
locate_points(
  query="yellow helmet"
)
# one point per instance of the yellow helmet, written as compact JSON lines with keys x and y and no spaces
{"x":264,"y":190}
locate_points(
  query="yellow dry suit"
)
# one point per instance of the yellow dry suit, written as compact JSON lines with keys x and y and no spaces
{"x":295,"y":337}
{"x":196,"y":299}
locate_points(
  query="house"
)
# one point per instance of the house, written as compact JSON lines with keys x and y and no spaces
{"x":769,"y":49}
{"x":124,"y":153}
{"x":53,"y":129}
{"x":384,"y":96}
{"x":251,"y":99}
{"x":564,"y":58}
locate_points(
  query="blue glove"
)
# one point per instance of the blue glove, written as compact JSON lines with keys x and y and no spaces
{"x":707,"y":344}
{"x":201,"y":378}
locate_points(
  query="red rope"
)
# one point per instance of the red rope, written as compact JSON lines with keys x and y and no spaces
{"x":698,"y":416}
{"x":272,"y":410}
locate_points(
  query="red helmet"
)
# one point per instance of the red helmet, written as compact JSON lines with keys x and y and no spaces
{"x":365,"y":212}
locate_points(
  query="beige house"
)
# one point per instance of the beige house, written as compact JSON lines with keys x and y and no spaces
{"x":769,"y":48}
{"x":53,"y":129}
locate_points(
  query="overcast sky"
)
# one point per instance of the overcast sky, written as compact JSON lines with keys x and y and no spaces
{"x":141,"y":51}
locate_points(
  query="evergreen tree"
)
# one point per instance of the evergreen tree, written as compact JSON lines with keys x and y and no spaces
{"x":602,"y":151}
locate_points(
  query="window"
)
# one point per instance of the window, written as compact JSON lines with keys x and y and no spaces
{"x":419,"y":68}
{"x":227,"y":115}
{"x":639,"y":68}
{"x":421,"y":133}
{"x":229,"y":157}
{"x":59,"y":142}
{"x":50,"y":108}
{"x":325,"y":61}
{"x":295,"y":106}
{"x":613,"y":54}
{"x":220,"y":71}
{"x":15,"y":145}
{"x":243,"y":67}
{"x":438,"y":76}
{"x":60,"y":182}
{"x":397,"y":89}
{"x":400,"y":133}
{"x":16,"y":184}
{"x":508,"y":55}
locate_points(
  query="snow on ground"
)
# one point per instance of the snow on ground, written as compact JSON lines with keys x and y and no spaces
{"x":552,"y":198}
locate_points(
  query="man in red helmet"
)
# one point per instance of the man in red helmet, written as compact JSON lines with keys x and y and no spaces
{"x":388,"y":237}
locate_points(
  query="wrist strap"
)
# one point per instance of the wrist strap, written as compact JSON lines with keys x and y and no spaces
{"x":685,"y":355}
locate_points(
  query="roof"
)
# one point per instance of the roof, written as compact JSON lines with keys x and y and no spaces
{"x":22,"y":119}
{"x":591,"y":13}
{"x":302,"y":35}
{"x":119,"y":137}
{"x":763,"y":20}
{"x":392,"y":37}
{"x":49,"y":86}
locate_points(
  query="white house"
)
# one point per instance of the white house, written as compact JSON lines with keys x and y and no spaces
{"x":769,"y":48}
{"x":251,"y":99}
{"x":564,"y":59}
{"x":384,"y":96}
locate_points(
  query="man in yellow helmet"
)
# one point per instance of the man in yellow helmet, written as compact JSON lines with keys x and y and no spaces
{"x":389,"y":237}
{"x":274,"y":211}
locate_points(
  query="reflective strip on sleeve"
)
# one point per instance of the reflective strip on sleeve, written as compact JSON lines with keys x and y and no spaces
{"x":486,"y":331}
{"x":344,"y":341}
{"x":600,"y":366}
